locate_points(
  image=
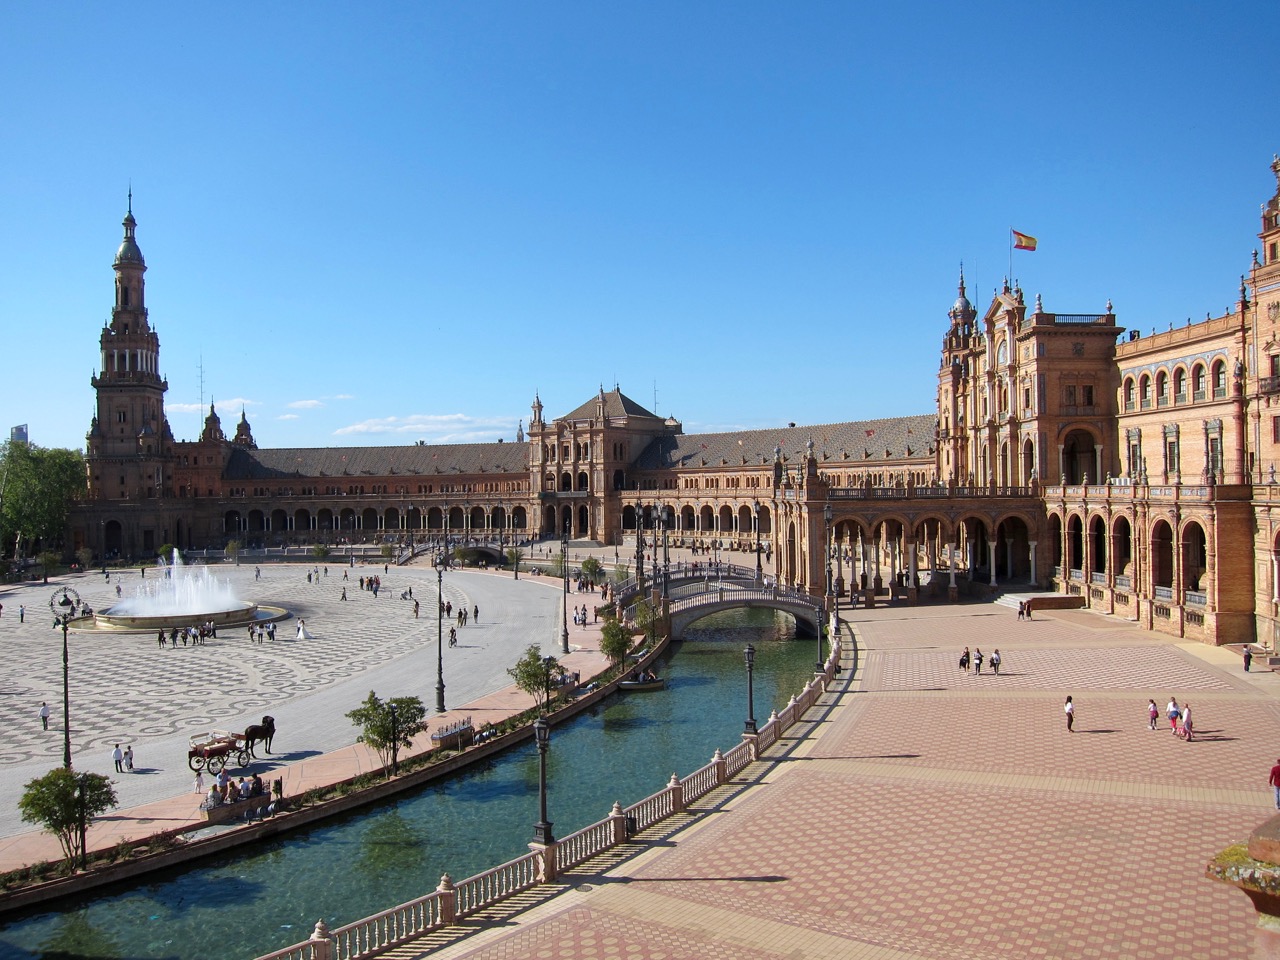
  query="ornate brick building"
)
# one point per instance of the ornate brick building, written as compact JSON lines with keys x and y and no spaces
{"x":1136,"y":472}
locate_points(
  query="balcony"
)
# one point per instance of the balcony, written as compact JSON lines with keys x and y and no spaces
{"x":1269,"y":384}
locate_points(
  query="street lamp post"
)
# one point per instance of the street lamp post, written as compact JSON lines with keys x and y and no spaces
{"x":439,"y":564}
{"x":640,"y":546}
{"x":759,"y":568}
{"x":750,"y":654}
{"x":63,"y":604}
{"x":395,"y":743}
{"x":826,"y":548}
{"x":666,"y":557}
{"x":564,"y":602}
{"x":542,"y":829}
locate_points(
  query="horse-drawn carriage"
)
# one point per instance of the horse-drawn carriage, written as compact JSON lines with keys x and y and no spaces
{"x":214,"y":750}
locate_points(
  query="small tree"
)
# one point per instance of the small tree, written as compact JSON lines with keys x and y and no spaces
{"x":48,"y":560}
{"x":591,"y":569}
{"x":232,"y":551}
{"x":165,"y":553}
{"x":615,"y":641}
{"x":85,"y":557}
{"x":386,"y":730}
{"x":65,"y":803}
{"x":514,"y":556}
{"x":621,"y":573}
{"x":536,"y":674}
{"x":386,"y":551}
{"x":320,"y":552}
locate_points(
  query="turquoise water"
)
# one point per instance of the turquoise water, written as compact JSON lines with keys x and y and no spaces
{"x":626,"y":748}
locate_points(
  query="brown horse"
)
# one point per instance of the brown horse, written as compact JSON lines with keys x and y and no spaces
{"x":260,"y":733}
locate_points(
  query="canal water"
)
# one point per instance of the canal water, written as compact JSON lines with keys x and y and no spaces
{"x":252,"y":902}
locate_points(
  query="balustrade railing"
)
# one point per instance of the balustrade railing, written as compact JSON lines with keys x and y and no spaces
{"x":1163,"y":593}
{"x":1124,"y":583}
{"x":1197,"y":598}
{"x":1098,"y":578}
{"x":449,"y":903}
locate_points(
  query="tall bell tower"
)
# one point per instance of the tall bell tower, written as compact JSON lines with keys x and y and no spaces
{"x":129,"y":441}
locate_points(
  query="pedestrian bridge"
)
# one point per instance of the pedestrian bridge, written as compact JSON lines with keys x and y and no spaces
{"x":691,"y":599}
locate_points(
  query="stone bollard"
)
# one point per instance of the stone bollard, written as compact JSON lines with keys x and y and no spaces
{"x":321,"y":942}
{"x":448,"y":901}
{"x":676,"y":789}
{"x":721,"y":774}
{"x":546,"y":860}
{"x":617,"y":825}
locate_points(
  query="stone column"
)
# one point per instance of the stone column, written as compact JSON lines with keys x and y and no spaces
{"x":991,"y":552}
{"x":1062,"y":464}
{"x":952,"y":592}
{"x":877,"y":546}
{"x":1031,"y":576}
{"x":931,"y":556}
{"x":1099,"y":476}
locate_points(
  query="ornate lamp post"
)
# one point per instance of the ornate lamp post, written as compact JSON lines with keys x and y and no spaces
{"x":640,"y":546}
{"x":750,"y":654}
{"x":395,"y":743}
{"x":542,"y":829}
{"x":62,"y":604}
{"x":439,"y":565}
{"x":759,"y":568}
{"x":666,"y":556}
{"x":564,"y":604}
{"x":826,"y":548}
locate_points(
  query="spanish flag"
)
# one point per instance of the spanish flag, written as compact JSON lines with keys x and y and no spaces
{"x":1023,"y":242}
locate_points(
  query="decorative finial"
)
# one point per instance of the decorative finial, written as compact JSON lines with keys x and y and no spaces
{"x":1110,"y":309}
{"x":1039,"y":304}
{"x":130,"y":196}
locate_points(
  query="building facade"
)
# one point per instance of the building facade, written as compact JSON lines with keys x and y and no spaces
{"x":1135,"y":472}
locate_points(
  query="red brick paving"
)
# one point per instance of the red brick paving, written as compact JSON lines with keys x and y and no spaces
{"x":937,"y":815}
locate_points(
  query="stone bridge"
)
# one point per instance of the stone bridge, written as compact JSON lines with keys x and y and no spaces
{"x":692,"y":598}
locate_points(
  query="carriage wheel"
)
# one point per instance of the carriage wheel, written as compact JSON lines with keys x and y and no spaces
{"x":216,"y":763}
{"x":195,"y":762}
{"x":242,"y":758}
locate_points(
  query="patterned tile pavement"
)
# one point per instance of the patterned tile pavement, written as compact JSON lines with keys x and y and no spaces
{"x":935,"y":815}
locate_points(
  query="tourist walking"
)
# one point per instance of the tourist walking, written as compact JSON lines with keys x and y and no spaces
{"x":1248,"y":655}
{"x":1174,"y":715}
{"x":128,"y":758}
{"x":1069,"y":709}
{"x":1275,"y":782}
{"x":977,"y":660}
{"x":995,"y":663}
{"x":22,"y":613}
{"x":117,"y":757}
{"x":44,"y":715}
{"x":1185,"y":731}
{"x":1153,"y":714}
{"x":964,"y":661}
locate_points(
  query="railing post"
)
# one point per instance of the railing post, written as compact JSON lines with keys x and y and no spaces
{"x":321,"y":942}
{"x":676,"y":789}
{"x":718,"y":765}
{"x":617,"y":825}
{"x":753,"y":742}
{"x":546,"y":852}
{"x":448,"y":901}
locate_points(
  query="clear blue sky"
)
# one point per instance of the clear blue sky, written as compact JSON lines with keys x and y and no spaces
{"x":383,"y":223}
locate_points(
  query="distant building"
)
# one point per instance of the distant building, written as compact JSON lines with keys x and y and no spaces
{"x":18,"y":434}
{"x":1138,"y":472}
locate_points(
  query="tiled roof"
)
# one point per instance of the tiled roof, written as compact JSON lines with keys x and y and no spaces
{"x":857,"y":442}
{"x":616,"y":406}
{"x":430,"y":460}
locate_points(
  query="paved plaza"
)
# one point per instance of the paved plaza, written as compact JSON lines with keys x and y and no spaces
{"x":940,"y":815}
{"x":125,"y":689}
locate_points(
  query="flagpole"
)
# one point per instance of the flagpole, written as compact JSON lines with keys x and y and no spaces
{"x":1010,"y":273}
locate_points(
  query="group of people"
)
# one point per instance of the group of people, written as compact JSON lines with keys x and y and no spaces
{"x":226,"y":789}
{"x":258,"y":633}
{"x":1178,"y":715}
{"x":123,"y":759}
{"x":974,"y":661}
{"x":580,"y":616}
{"x":193,"y":635}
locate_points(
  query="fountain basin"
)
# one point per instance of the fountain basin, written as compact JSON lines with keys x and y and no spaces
{"x":241,"y":612}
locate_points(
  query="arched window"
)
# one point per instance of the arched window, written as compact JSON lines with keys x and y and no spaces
{"x":1144,"y":391}
{"x":1180,"y":385}
{"x":1162,"y":388}
{"x":1128,"y":393}
{"x":1219,"y":380}
{"x":1197,"y":382}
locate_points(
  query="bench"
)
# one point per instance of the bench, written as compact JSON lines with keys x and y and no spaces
{"x":249,"y":809}
{"x":1053,"y":603}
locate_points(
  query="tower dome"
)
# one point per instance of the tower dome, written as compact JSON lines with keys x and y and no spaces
{"x":129,"y":251}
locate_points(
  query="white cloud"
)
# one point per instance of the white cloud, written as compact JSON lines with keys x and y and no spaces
{"x":305,"y":404}
{"x":288,"y":416}
{"x":342,"y":396}
{"x":434,"y":428}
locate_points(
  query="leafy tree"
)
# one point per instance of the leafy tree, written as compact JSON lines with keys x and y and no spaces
{"x":320,"y":551}
{"x":615,"y":641}
{"x":85,"y":557}
{"x":39,"y":485}
{"x":514,"y":556}
{"x":591,"y":569}
{"x":621,"y":573}
{"x":384,"y":734}
{"x":536,"y":674}
{"x":386,"y":551}
{"x":232,"y":551}
{"x":65,"y":803}
{"x":48,"y":560}
{"x":646,"y":617}
{"x":165,"y":552}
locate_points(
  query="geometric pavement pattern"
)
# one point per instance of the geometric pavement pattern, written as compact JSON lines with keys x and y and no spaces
{"x":938,"y":815}
{"x":130,"y":684}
